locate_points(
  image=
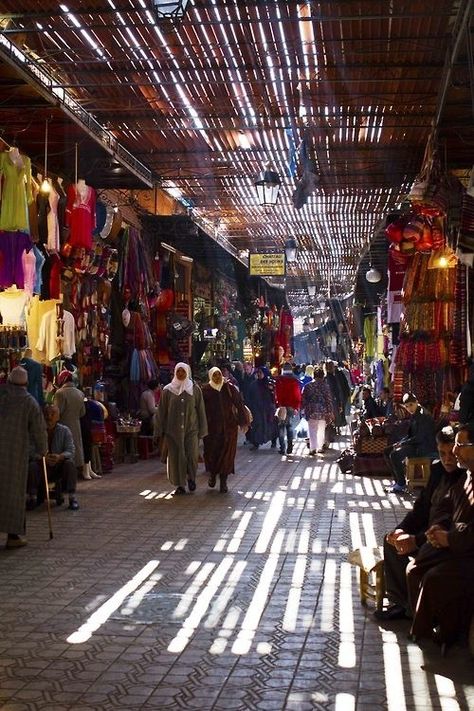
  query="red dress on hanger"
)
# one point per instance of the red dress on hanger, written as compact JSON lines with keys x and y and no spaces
{"x":80,"y":215}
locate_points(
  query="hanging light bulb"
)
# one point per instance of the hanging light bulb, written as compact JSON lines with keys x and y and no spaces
{"x":373,"y":275}
{"x":45,"y":187}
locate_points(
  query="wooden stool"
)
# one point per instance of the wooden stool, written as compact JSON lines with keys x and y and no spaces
{"x":417,"y":471}
{"x":371,"y":574}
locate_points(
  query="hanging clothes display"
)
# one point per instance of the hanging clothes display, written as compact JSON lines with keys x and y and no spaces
{"x":370,"y":327}
{"x":12,"y":246}
{"x":15,"y":172}
{"x":12,"y":307}
{"x":56,"y":335}
{"x":29,"y":271}
{"x":80,"y":214}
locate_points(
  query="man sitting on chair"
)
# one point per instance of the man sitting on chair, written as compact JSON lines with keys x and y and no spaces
{"x":419,"y":442}
{"x":59,"y":462}
{"x":401,"y":545}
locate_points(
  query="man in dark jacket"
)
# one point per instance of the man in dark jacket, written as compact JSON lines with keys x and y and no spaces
{"x":419,"y":442}
{"x":440,"y":579}
{"x":370,"y":408}
{"x":466,"y":399}
{"x":401,"y":545}
{"x":288,"y":396}
{"x":59,"y":462}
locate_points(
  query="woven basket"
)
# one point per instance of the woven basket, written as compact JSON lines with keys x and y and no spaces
{"x":128,"y":429}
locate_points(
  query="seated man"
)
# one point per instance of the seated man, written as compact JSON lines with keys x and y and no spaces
{"x":385,"y":403}
{"x":440,"y":579}
{"x":59,"y":462}
{"x":370,"y":408}
{"x":419,"y":442}
{"x":401,"y":545}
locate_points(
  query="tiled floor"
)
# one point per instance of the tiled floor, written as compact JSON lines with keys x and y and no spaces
{"x":213,"y":602}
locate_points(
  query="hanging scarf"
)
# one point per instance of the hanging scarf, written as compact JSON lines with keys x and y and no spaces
{"x":212,"y":383}
{"x":179,"y":386}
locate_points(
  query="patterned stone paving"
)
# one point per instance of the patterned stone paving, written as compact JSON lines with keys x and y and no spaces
{"x":242,"y":602}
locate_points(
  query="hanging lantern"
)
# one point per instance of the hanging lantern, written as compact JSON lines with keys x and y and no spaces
{"x":291,"y":250}
{"x":311,"y":290}
{"x":45,"y":187}
{"x":373,"y":275}
{"x":268,"y":185}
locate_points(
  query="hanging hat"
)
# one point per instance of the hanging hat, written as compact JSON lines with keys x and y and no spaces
{"x":63,"y":377}
{"x":18,"y":376}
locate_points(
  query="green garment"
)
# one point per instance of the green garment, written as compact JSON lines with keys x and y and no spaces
{"x":369,"y":334}
{"x":16,"y":194}
{"x":181,"y":421}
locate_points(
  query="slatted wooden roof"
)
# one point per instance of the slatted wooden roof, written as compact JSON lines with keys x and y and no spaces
{"x":206,"y":103}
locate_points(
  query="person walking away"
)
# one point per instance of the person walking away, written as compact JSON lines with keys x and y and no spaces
{"x":59,"y":462}
{"x":419,"y":442}
{"x":340,"y":393}
{"x":149,"y":400}
{"x":402,"y":544}
{"x":261,"y":401}
{"x":247,"y":380}
{"x":21,"y":421}
{"x":180,"y":422}
{"x":317,"y":405}
{"x":225,"y":413}
{"x":288,"y":396}
{"x":71,"y":406}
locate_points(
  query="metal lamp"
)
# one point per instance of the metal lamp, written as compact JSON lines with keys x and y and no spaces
{"x":373,"y":275}
{"x":268,"y":186}
{"x":291,"y":250}
{"x":170,"y":9}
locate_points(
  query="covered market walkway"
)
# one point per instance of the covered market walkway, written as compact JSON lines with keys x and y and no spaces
{"x":211,"y":601}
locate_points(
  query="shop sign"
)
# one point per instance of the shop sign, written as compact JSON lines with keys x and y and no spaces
{"x":267,"y":264}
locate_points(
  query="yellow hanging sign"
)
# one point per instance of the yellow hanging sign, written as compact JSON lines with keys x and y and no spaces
{"x":267,"y":264}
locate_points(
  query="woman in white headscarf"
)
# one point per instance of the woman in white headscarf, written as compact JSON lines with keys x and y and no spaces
{"x":225,"y":412}
{"x":180,"y":422}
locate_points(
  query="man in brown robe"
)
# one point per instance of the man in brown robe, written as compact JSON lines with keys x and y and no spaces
{"x":441,"y":578}
{"x":21,"y":421}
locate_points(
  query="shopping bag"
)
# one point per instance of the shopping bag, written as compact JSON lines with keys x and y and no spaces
{"x":301,"y":429}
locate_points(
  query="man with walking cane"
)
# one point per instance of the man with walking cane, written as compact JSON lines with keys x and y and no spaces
{"x":57,"y":466}
{"x":21,"y":421}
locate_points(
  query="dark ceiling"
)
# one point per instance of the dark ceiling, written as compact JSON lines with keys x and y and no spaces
{"x":205,"y":103}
